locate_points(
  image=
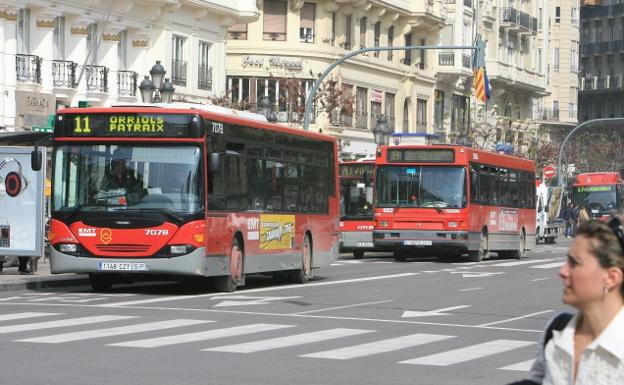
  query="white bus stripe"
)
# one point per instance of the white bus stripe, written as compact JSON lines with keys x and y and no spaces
{"x":468,"y":353}
{"x":282,"y":342}
{"x":377,"y":347}
{"x":7,"y":317}
{"x":116,"y":331}
{"x":548,"y":265}
{"x":201,"y":336}
{"x":526,"y":262}
{"x":62,"y":323}
{"x":523,"y":366}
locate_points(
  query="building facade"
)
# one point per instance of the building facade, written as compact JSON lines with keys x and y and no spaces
{"x":602,"y":60}
{"x":56,"y":53}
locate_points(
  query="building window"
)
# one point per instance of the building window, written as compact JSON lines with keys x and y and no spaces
{"x":361,"y":104}
{"x":389,"y":109}
{"x":92,"y":43}
{"x":574,"y":57}
{"x":460,"y":117}
{"x":423,"y":55}
{"x":23,"y":31}
{"x":407,"y":59}
{"x":348,"y":31}
{"x":363,"y":32}
{"x":58,"y":39}
{"x":556,"y":60}
{"x":274,"y":20}
{"x":421,"y":115}
{"x":539,"y":60}
{"x":390,"y":42}
{"x":574,"y":16}
{"x":178,"y":62}
{"x":306,"y":23}
{"x":333,"y":28}
{"x":406,"y":104}
{"x":438,"y":110}
{"x":238,"y":32}
{"x":238,"y":89}
{"x":376,"y":37}
{"x":122,"y":50}
{"x":204,"y":69}
{"x":557,"y":14}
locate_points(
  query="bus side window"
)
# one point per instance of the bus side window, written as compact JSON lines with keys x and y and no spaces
{"x":474,"y":185}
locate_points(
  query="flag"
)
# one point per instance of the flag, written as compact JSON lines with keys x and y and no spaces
{"x":481,"y":84}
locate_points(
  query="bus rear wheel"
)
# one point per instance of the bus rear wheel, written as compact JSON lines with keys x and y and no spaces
{"x":304,"y":274}
{"x":482,"y":253}
{"x":228,"y":283}
{"x":521,"y":252}
{"x":100,"y":282}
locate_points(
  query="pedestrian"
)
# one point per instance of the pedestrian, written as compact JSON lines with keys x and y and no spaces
{"x":569,"y":216}
{"x":583,"y":214}
{"x":23,"y":267}
{"x":588,"y":349}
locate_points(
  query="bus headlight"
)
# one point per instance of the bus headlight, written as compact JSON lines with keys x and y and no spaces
{"x":68,"y":247}
{"x":178,"y":249}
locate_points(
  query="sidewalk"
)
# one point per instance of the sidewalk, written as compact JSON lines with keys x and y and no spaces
{"x":11,"y":279}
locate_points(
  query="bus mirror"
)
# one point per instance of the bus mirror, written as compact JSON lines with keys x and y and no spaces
{"x":367,"y":178}
{"x":215,"y":162}
{"x":35,"y":159}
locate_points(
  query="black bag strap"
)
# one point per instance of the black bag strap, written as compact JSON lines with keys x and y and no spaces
{"x":558,"y":323}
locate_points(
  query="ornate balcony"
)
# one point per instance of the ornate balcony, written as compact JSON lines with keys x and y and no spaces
{"x":97,"y":79}
{"x":127,"y":83}
{"x":28,"y":68}
{"x":178,"y":73}
{"x":204,"y":82}
{"x":64,"y":74}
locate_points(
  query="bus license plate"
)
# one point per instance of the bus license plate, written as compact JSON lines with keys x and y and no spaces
{"x":122,"y":266}
{"x":417,"y":242}
{"x":365,"y":244}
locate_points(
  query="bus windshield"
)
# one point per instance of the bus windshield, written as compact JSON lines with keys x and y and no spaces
{"x":601,"y":200}
{"x":421,"y":186}
{"x":107,"y":176}
{"x":356,"y":199}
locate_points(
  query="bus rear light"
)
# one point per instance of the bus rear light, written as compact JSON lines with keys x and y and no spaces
{"x":68,"y":247}
{"x":178,"y":249}
{"x":199,"y":237}
{"x":51,"y":236}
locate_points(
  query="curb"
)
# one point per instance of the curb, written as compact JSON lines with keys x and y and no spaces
{"x":43,"y":283}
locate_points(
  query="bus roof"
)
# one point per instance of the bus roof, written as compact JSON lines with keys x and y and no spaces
{"x":598,"y":178}
{"x":463,"y":155}
{"x":216,"y":113}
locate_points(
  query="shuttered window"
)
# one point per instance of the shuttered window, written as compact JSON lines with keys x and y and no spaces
{"x":274,"y":20}
{"x":306,"y":23}
{"x":238,"y":32}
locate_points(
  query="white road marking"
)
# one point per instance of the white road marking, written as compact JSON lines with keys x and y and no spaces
{"x":343,"y":307}
{"x":524,"y":366}
{"x":469,"y":353}
{"x":516,"y":318}
{"x":244,"y":300}
{"x":62,"y":323}
{"x":548,"y":265}
{"x":283,"y":342}
{"x":474,"y":274}
{"x":539,"y":279}
{"x":259,"y":290}
{"x":7,"y":317}
{"x":525,"y":262}
{"x":471,"y":289}
{"x":116,"y":331}
{"x":377,"y":347}
{"x":10,"y":298}
{"x":431,"y":313}
{"x":201,"y":336}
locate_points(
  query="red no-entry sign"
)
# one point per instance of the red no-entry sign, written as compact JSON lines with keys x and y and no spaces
{"x":549,"y":172}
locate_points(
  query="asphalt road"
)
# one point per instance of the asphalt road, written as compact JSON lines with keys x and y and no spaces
{"x":370,"y":321}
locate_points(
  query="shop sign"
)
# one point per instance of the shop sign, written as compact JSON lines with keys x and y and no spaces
{"x":272,"y":62}
{"x":33,"y":108}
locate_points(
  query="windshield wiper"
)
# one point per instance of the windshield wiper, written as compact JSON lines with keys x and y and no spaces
{"x":76,"y":209}
{"x":169,"y":213}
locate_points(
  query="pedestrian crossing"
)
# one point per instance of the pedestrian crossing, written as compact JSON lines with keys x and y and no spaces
{"x":212,"y":337}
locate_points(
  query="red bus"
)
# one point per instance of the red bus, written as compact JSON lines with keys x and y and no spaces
{"x":600,"y":192}
{"x":202,"y":194}
{"x":447,"y":200}
{"x":356,"y":208}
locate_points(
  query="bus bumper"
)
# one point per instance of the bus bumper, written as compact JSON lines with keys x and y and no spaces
{"x":193,"y":264}
{"x":354,"y":240}
{"x":455,"y":241}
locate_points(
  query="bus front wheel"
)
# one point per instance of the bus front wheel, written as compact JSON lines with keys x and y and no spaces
{"x":482,"y":253}
{"x":304,"y":274}
{"x":228,"y":283}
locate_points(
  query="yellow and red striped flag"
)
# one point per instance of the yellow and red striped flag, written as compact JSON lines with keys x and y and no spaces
{"x":480,"y":85}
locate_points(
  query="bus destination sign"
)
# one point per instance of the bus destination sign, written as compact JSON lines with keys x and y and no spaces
{"x":128,"y":125}
{"x":356,"y":170}
{"x":582,"y":189}
{"x":425,"y":155}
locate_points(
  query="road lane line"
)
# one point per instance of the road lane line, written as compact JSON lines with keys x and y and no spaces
{"x":471,"y":289}
{"x":525,"y":262}
{"x":377,"y":347}
{"x":116,"y":331}
{"x":343,"y":307}
{"x":62,"y":323}
{"x":289,"y":341}
{"x":8,"y":317}
{"x":469,"y":353}
{"x":259,"y":290}
{"x":515,"y":318}
{"x":548,"y":265}
{"x":200,"y":336}
{"x":523,"y":366}
{"x":539,"y":279}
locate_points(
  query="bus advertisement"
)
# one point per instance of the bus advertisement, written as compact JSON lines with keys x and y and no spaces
{"x":599,"y":192}
{"x":446,"y":201}
{"x":356,"y":208}
{"x":182,"y":190}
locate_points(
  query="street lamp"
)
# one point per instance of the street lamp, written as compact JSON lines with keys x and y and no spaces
{"x":266,"y":108}
{"x":155,"y":90}
{"x":382,"y":131}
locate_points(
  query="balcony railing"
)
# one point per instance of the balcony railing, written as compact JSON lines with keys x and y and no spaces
{"x":361,"y":120}
{"x":549,"y":114}
{"x":97,"y":79}
{"x":127,"y":83}
{"x":374,"y":117}
{"x":346,"y":120}
{"x":602,"y":11}
{"x":277,"y":36}
{"x":466,"y":61}
{"x":28,"y":68}
{"x":204,"y":81}
{"x":178,"y":73}
{"x":446,"y":59}
{"x":64,"y":74}
{"x":513,"y":17}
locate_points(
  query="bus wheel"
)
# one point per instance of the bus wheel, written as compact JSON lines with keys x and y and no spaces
{"x":358,"y":254}
{"x":304,"y":274}
{"x":521,"y":252}
{"x":482,"y":253}
{"x":228,"y":283}
{"x":100,"y":282}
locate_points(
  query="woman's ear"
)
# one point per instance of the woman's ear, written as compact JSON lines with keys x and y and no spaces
{"x":615,"y":278}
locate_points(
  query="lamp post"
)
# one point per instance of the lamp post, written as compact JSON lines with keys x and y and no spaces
{"x":382,"y":131}
{"x":154,"y":90}
{"x":266,"y":108}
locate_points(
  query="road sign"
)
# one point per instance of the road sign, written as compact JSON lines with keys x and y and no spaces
{"x":549,"y":172}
